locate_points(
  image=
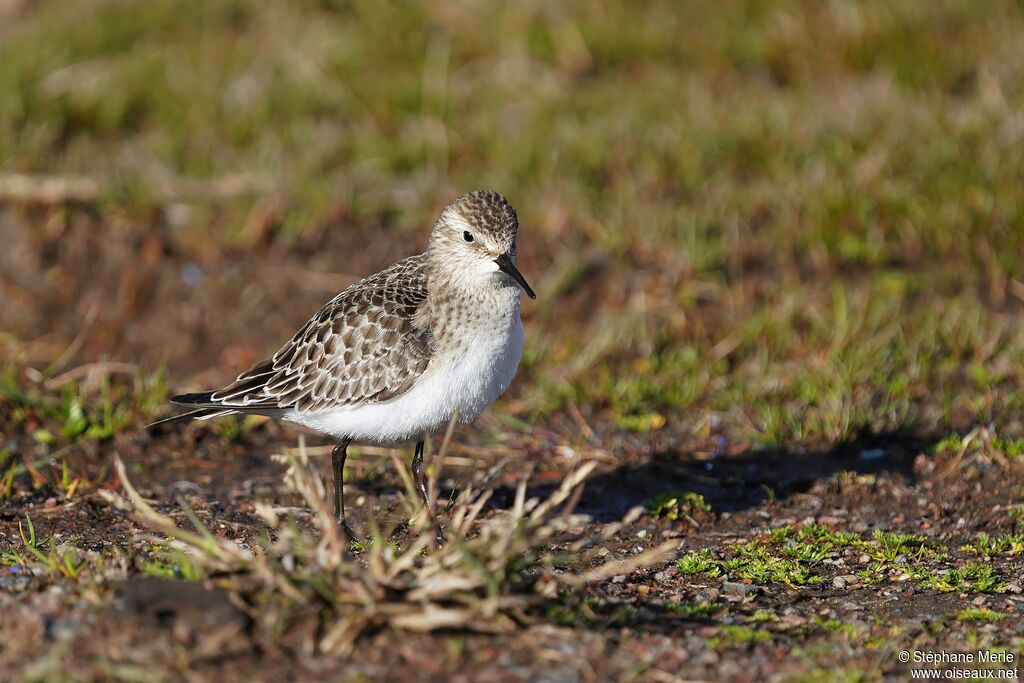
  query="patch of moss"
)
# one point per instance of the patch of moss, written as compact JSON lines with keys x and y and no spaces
{"x":674,"y":505}
{"x":692,"y":610}
{"x":973,"y":577}
{"x":983,"y":614}
{"x":734,"y":634}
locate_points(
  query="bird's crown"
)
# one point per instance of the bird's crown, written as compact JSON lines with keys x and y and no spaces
{"x":485,"y":214}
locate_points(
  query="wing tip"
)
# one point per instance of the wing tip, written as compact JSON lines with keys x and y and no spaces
{"x":199,"y":414}
{"x":198,"y":398}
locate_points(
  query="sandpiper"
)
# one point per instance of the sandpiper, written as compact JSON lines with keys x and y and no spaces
{"x":397,"y":354}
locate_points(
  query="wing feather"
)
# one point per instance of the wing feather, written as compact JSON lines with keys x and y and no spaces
{"x":364,"y":346}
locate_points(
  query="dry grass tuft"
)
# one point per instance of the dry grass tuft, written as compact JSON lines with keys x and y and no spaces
{"x":487,"y":578}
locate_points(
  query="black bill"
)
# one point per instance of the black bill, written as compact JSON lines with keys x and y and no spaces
{"x":506,"y":266}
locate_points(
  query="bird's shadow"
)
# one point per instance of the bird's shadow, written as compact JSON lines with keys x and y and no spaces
{"x":735,"y":483}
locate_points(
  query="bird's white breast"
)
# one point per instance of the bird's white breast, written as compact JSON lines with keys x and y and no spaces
{"x":466,"y":375}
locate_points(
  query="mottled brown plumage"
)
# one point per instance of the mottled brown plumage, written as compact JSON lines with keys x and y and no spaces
{"x":399,"y":353}
{"x":365,"y":345}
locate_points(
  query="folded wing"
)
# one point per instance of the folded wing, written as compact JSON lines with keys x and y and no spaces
{"x":364,"y":346}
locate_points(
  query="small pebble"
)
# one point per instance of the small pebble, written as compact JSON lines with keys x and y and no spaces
{"x":708,"y":594}
{"x":845,"y":580}
{"x":666,"y":574}
{"x":732,"y":588}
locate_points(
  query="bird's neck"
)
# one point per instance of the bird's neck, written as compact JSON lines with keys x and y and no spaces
{"x":458,"y":304}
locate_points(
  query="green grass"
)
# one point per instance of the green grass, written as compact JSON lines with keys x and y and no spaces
{"x":839,"y":627}
{"x":757,"y":565}
{"x":793,"y":213}
{"x":890,"y":545}
{"x":168,"y":563}
{"x":1010,"y":447}
{"x":9,"y":467}
{"x":794,"y":557}
{"x":366,"y":544}
{"x":76,"y":411}
{"x":979,"y":614}
{"x":991,"y":546}
{"x":673,"y":505}
{"x":751,"y":562}
{"x":736,"y":635}
{"x":972,"y":577}
{"x":43,"y":554}
{"x":700,"y":562}
{"x":60,"y":420}
{"x":595,"y":613}
{"x":694,"y":610}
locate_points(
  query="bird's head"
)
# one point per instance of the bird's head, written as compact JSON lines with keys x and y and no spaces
{"x":475,"y":235}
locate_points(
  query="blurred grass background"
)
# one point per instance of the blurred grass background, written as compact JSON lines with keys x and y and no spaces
{"x":791,"y":222}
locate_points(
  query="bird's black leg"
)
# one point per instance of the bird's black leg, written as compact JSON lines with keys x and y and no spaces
{"x":420,"y":478}
{"x":338,"y":456}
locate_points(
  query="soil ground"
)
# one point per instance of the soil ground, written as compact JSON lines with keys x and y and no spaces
{"x":849,"y":621}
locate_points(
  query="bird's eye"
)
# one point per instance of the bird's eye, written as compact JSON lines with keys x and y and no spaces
{"x":468,"y":236}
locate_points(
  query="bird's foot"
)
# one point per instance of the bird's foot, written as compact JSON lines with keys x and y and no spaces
{"x":346,"y":530}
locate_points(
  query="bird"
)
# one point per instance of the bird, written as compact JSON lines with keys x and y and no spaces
{"x":397,"y":354}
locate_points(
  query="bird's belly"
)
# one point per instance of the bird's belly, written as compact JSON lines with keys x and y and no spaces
{"x":485,"y":370}
{"x":466,"y":379}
